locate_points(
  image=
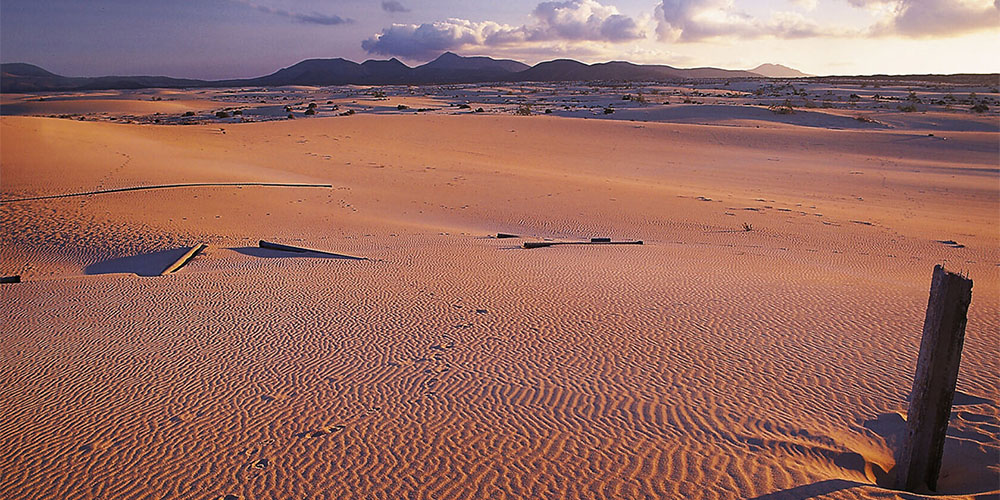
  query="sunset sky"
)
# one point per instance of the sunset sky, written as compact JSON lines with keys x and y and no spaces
{"x":242,"y":38}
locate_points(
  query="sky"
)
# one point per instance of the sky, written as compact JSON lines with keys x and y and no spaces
{"x":216,"y":39}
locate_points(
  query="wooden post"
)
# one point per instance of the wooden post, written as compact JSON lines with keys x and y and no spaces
{"x":919,"y":462}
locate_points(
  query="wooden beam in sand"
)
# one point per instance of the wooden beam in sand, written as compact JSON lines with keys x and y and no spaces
{"x":289,"y":248}
{"x":594,"y":241}
{"x":919,"y":461}
{"x":184,"y":259}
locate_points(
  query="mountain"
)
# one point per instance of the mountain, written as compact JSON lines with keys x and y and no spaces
{"x":778,"y":71}
{"x":453,"y":68}
{"x":447,"y":68}
{"x":570,"y":70}
{"x":449,"y":61}
{"x":22,"y":77}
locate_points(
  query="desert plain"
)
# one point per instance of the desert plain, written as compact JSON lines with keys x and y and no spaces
{"x":761,"y":343}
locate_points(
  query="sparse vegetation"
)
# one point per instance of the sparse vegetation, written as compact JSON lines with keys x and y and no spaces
{"x":608,"y":110}
{"x":400,"y":107}
{"x":221,"y":114}
{"x":981,"y":107}
{"x":784,"y":108}
{"x":909,"y":108}
{"x":523,"y":110}
{"x":480,"y":110}
{"x":188,"y":113}
{"x":310,"y":112}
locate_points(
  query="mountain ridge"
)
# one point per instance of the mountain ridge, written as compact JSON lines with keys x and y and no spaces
{"x":446,"y":68}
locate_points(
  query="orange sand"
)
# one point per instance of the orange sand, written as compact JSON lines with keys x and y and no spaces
{"x":710,"y":362}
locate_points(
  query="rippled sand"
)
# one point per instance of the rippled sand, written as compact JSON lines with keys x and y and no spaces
{"x":710,"y":362}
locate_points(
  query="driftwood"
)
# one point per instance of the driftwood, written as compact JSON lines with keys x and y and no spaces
{"x":184,"y":259}
{"x":542,"y":244}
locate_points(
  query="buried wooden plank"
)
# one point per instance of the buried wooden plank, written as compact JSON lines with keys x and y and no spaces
{"x":919,"y":461}
{"x":542,"y":244}
{"x":289,"y":248}
{"x":184,"y":259}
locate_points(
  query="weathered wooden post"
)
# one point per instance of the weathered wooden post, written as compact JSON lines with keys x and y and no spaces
{"x":919,"y":461}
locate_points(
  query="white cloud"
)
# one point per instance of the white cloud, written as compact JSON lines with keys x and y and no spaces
{"x":554,"y":23}
{"x":693,"y":20}
{"x":921,"y":18}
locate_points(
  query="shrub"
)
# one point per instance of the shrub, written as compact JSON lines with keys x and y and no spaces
{"x":464,"y":106}
{"x":347,"y":113}
{"x":312,"y":105}
{"x":784,"y":109}
{"x":310,"y":112}
{"x":221,"y":114}
{"x":480,"y":110}
{"x":548,"y":111}
{"x":401,"y":107}
{"x":238,"y":112}
{"x":627,"y":97}
{"x":523,"y":110}
{"x":608,"y":110}
{"x":291,"y":116}
{"x":189,"y":113}
{"x":909,"y":108}
{"x":981,"y":107}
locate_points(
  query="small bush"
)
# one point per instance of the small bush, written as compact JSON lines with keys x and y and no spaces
{"x":310,"y":112}
{"x":312,"y":105}
{"x":401,"y":107}
{"x":548,"y":111}
{"x":864,"y":119}
{"x":909,"y":108}
{"x":291,"y":116}
{"x":523,"y":110}
{"x":189,"y":113}
{"x":480,"y":110}
{"x":221,"y":114}
{"x":347,"y":113}
{"x":464,"y":106}
{"x":981,"y":107}
{"x":238,"y":112}
{"x":608,"y":110}
{"x":627,"y":97}
{"x":784,"y":109}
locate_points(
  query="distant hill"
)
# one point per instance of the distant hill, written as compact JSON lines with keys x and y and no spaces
{"x":447,"y":68}
{"x":778,"y":71}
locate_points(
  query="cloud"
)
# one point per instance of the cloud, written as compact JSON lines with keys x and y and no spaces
{"x":312,"y":18}
{"x":394,"y":6}
{"x":921,"y":18}
{"x":582,"y":20}
{"x":553,"y":23}
{"x":694,"y":20}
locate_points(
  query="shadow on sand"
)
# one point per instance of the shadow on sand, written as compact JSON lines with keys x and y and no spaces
{"x":147,"y":264}
{"x":279,"y":254}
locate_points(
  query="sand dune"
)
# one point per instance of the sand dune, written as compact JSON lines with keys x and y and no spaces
{"x":710,"y":362}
